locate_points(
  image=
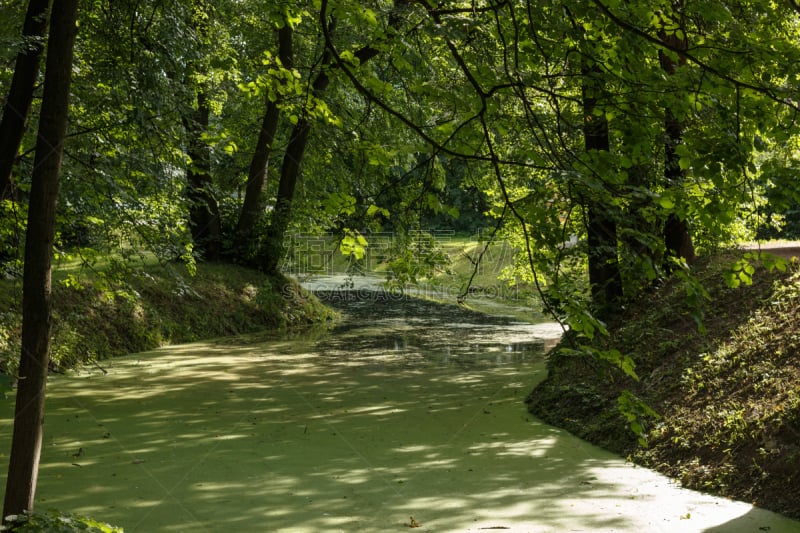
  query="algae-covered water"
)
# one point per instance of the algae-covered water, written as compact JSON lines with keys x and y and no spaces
{"x":405,"y":409}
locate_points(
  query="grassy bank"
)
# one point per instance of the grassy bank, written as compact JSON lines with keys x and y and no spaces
{"x":104,"y":312}
{"x":109,"y":306}
{"x":728,"y":399}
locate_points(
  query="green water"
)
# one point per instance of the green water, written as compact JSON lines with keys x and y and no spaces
{"x":405,"y":409}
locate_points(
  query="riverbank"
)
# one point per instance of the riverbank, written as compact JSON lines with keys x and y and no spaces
{"x":728,"y":399}
{"x":103,"y":313}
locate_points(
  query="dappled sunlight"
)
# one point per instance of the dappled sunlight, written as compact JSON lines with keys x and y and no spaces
{"x":312,"y":436}
{"x":525,"y":448}
{"x":375,"y":410}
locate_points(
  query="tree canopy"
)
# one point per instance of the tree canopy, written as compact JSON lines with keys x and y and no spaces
{"x":608,"y":141}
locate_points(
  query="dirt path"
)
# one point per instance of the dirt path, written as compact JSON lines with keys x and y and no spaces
{"x":787,"y":250}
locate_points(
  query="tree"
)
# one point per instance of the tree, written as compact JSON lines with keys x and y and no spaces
{"x":629,"y":133}
{"x":273,"y":247}
{"x":26,"y":442}
{"x":183,"y":116}
{"x":254,"y":204}
{"x":312,"y":109}
{"x":20,"y":94}
{"x":601,"y":225}
{"x":677,"y":239}
{"x":204,"y":217}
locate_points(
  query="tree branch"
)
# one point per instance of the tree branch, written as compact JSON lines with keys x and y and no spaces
{"x":694,"y":59}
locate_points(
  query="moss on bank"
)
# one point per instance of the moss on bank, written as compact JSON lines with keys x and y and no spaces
{"x":97,"y":315}
{"x":728,"y":399}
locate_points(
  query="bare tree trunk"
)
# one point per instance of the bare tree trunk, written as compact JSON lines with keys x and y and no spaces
{"x":20,"y":95}
{"x":26,"y":441}
{"x":254,"y":204}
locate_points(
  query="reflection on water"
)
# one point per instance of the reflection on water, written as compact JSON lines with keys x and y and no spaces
{"x":383,"y":327}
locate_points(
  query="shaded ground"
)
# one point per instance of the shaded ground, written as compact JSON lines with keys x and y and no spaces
{"x":729,"y":399}
{"x":406,"y":410}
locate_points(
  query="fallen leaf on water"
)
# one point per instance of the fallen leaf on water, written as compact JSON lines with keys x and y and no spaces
{"x":137,"y":461}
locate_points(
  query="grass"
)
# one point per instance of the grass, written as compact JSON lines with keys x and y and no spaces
{"x":728,"y":399}
{"x":118,"y":309}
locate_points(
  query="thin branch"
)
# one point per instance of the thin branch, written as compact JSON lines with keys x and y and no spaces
{"x":417,"y":129}
{"x":477,"y":262}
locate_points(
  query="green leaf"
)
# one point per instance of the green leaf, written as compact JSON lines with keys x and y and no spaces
{"x":374,"y":209}
{"x":369,"y":16}
{"x":636,"y":412}
{"x":666,"y":202}
{"x":349,"y":57}
{"x":353,"y":244}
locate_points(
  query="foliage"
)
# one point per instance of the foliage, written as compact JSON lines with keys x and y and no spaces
{"x":472,"y":118}
{"x":416,"y":258}
{"x":56,"y":522}
{"x":406,"y":117}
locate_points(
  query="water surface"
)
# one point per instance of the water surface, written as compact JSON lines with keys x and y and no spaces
{"x":405,"y":409}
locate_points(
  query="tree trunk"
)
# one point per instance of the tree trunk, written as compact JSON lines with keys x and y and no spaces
{"x":26,"y":441}
{"x":274,"y":244}
{"x":604,"y":274}
{"x":677,"y":238}
{"x":20,"y":95}
{"x":254,"y":205}
{"x":204,"y":219}
{"x":273,"y":247}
